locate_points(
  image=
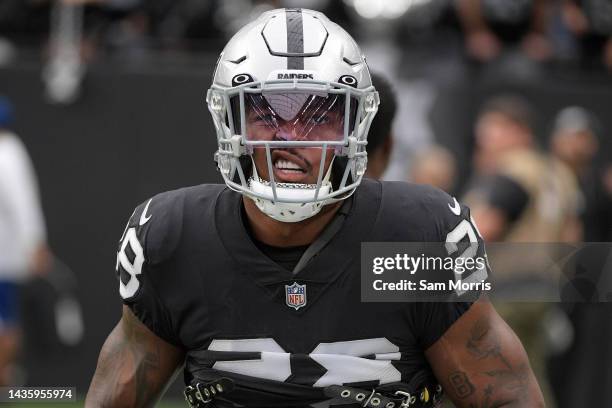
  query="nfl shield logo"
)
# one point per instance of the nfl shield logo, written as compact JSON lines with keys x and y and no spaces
{"x":295,"y":295}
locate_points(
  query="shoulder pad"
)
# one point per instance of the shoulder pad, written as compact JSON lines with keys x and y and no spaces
{"x":433,"y":210}
{"x":150,"y":237}
{"x":158,"y":223}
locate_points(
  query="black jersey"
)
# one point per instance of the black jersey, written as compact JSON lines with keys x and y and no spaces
{"x":189,"y":271}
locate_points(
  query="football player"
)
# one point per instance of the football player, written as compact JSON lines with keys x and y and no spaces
{"x":254,"y":286}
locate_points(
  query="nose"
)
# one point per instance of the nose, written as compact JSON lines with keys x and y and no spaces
{"x":285,"y":132}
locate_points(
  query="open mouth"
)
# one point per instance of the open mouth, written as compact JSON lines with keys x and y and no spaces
{"x":288,"y":167}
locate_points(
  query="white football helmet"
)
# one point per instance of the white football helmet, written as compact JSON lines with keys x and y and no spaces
{"x":291,"y":80}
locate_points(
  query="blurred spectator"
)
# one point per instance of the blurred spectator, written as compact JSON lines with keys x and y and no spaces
{"x":574,"y":138}
{"x":22,"y":236}
{"x":119,"y":25}
{"x":380,"y":137}
{"x":492,"y":25}
{"x":435,"y":166}
{"x":191,"y":24}
{"x":590,"y":21}
{"x":581,"y":375}
{"x":521,"y":195}
{"x":575,"y":142}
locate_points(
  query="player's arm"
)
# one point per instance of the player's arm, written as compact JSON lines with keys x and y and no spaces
{"x":134,"y":366}
{"x":481,"y":363}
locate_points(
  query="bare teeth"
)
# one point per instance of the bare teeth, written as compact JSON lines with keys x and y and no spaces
{"x":286,"y":165}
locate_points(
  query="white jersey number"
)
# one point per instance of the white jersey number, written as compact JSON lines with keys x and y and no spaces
{"x":463,"y":229}
{"x":133,"y":268}
{"x":341,"y":360}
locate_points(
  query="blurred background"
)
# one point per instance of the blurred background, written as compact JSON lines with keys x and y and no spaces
{"x":504,"y":104}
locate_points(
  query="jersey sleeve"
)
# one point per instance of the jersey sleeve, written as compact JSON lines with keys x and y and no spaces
{"x":456,"y":229}
{"x":143,"y":262}
{"x":433,"y":319}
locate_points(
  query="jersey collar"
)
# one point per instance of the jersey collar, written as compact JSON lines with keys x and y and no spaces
{"x":342,"y":251}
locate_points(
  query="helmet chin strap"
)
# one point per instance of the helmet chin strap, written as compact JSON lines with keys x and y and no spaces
{"x":294,"y":211}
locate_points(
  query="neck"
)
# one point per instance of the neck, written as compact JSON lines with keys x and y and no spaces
{"x":287,"y":234}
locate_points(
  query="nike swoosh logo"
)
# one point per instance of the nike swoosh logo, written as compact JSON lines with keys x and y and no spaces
{"x":143,"y":217}
{"x":455,"y":208}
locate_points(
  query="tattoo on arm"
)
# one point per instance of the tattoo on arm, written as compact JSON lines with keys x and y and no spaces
{"x":147,"y":359}
{"x":132,"y":370}
{"x":486,"y":401}
{"x":481,"y":363}
{"x":504,"y":377}
{"x":461,"y":384}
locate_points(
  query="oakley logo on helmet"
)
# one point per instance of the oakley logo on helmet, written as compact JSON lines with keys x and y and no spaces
{"x":241,"y":79}
{"x":348,"y":80}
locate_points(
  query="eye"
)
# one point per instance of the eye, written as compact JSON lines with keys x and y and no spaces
{"x":267,"y":119}
{"x":320,"y":119}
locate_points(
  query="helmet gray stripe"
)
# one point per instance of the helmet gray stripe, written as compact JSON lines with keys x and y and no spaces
{"x":295,"y":38}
